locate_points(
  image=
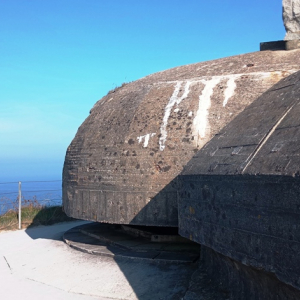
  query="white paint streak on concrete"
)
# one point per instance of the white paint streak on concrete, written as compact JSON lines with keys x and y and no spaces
{"x":255,"y":75}
{"x":229,"y":92}
{"x":201,"y":118}
{"x":173,"y":100}
{"x":146,"y":139}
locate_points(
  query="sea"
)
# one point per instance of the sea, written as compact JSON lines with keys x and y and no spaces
{"x":37,"y":192}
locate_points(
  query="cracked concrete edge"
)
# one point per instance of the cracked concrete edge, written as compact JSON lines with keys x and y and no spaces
{"x":4,"y":265}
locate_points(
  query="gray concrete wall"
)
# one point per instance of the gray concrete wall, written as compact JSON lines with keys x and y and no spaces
{"x":241,"y":282}
{"x":253,"y":220}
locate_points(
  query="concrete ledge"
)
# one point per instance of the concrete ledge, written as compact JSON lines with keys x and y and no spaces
{"x":109,"y":240}
{"x":280,"y":45}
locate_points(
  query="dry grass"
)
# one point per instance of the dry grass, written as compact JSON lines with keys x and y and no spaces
{"x":33,"y":214}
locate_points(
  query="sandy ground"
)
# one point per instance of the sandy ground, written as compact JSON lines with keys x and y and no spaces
{"x":36,"y":264}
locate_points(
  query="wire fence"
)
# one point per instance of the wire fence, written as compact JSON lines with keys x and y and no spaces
{"x":15,"y":195}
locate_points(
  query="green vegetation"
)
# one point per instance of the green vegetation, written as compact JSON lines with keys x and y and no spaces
{"x":33,"y":214}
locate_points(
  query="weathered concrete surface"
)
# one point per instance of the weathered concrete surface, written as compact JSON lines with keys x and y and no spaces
{"x":280,"y":45}
{"x":291,"y":19}
{"x":273,"y":46}
{"x":237,"y":281}
{"x":240,"y":194}
{"x":37,"y":264}
{"x":263,"y":139}
{"x":121,"y":165}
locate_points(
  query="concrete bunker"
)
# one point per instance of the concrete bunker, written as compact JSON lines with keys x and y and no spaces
{"x":239,"y":198}
{"x":123,"y":163}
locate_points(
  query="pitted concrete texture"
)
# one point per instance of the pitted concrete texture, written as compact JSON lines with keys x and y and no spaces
{"x":36,"y":264}
{"x":263,"y":140}
{"x":240,"y":196}
{"x":111,"y":240}
{"x":122,"y":165}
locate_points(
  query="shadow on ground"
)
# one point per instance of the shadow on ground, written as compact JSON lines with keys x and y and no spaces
{"x":148,"y":277}
{"x":153,"y":270}
{"x":48,"y":232}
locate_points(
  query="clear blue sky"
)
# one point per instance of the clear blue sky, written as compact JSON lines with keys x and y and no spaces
{"x":58,"y":58}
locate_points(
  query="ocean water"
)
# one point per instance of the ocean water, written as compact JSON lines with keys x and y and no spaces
{"x":44,"y":192}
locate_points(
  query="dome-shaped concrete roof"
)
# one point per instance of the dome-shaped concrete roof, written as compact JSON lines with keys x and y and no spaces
{"x":121,"y":165}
